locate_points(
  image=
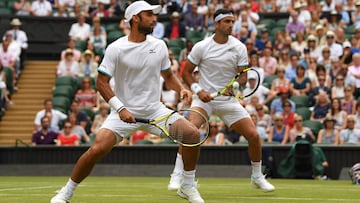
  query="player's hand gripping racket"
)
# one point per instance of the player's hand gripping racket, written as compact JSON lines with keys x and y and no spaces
{"x":176,"y":135}
{"x":233,"y":85}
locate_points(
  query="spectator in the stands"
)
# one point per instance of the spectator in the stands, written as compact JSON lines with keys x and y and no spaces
{"x":44,"y":136}
{"x":264,"y":119}
{"x":251,"y":27}
{"x":267,"y":6}
{"x":299,"y":43}
{"x":87,"y":96}
{"x":69,"y":66}
{"x":279,"y":131}
{"x":114,"y":8}
{"x":71,"y":45}
{"x":41,"y":8}
{"x":78,"y":129}
{"x":314,"y":92}
{"x":335,"y":49}
{"x":186,"y":51}
{"x":20,"y":37}
{"x":254,"y":63}
{"x":68,"y":5}
{"x":159,"y":29}
{"x":22,"y":7}
{"x":268,"y":62}
{"x":101,"y":10}
{"x":304,"y":15}
{"x":124,"y":26}
{"x":276,"y":104}
{"x":300,"y":85}
{"x":209,"y":18}
{"x":281,"y":80}
{"x":60,"y":12}
{"x":290,"y":72}
{"x":7,"y":59}
{"x":193,"y":20}
{"x":81,"y":117}
{"x":88,"y":66}
{"x":99,"y":118}
{"x":264,"y":37}
{"x":328,"y":135}
{"x":288,"y":114}
{"x":295,"y":25}
{"x":283,"y":6}
{"x":203,"y":7}
{"x":14,"y":48}
{"x":175,"y":29}
{"x":321,"y":107}
{"x":350,"y":135}
{"x":56,"y":116}
{"x":299,"y":130}
{"x":80,"y":30}
{"x":96,"y":22}
{"x":66,"y":137}
{"x":99,"y":40}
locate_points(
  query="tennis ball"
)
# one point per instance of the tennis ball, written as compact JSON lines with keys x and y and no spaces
{"x":236,"y":85}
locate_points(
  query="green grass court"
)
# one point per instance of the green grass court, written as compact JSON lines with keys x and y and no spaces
{"x":154,"y":190}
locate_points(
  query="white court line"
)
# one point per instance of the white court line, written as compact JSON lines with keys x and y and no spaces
{"x":26,"y":188}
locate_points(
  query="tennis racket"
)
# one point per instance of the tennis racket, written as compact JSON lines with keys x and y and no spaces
{"x":176,"y":135}
{"x":234,"y":85}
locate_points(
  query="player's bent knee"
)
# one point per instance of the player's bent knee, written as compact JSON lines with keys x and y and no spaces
{"x":193,"y":135}
{"x":253,"y":137}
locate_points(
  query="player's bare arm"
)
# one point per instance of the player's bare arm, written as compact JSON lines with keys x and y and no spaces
{"x":243,"y":77}
{"x":190,"y":81}
{"x":102,"y":85}
{"x":172,"y":81}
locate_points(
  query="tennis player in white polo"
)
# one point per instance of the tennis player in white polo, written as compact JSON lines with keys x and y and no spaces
{"x":136,"y":62}
{"x":219,"y":58}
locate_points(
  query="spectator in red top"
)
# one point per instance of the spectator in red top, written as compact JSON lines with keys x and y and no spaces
{"x":66,"y":138}
{"x":175,"y":29}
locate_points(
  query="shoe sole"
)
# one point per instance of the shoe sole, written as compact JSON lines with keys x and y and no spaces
{"x":182,"y":195}
{"x":173,"y":188}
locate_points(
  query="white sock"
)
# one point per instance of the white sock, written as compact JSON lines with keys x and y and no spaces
{"x":189,"y":177}
{"x":70,"y":187}
{"x":179,"y":164}
{"x":256,"y":169}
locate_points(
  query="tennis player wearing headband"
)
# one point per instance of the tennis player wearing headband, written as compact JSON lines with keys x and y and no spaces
{"x":219,"y":58}
{"x":136,"y":62}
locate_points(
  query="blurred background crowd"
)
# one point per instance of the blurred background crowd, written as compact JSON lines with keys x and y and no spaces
{"x":309,"y":62}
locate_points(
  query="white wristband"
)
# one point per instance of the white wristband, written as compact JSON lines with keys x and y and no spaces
{"x":195,"y":87}
{"x":116,"y":104}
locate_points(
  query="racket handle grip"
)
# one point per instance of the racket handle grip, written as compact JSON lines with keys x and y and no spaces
{"x":142,"y":120}
{"x":214,"y":94}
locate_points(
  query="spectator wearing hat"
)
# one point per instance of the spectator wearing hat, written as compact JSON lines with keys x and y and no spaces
{"x":311,"y":44}
{"x":350,"y":135}
{"x":80,"y":30}
{"x":88,"y":66}
{"x":68,"y":66}
{"x":295,"y":25}
{"x":346,"y":58}
{"x":336,"y":49}
{"x":41,"y":8}
{"x":328,"y":135}
{"x":265,"y":94}
{"x":20,"y":37}
{"x":320,"y":35}
{"x":276,"y":104}
{"x":304,"y":15}
{"x":334,"y":20}
{"x":175,"y":29}
{"x":22,"y":7}
{"x":71,"y":45}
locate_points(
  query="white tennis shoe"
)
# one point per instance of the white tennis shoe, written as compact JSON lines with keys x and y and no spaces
{"x":175,"y":181}
{"x":63,"y":196}
{"x":190,"y":193}
{"x":261,"y":183}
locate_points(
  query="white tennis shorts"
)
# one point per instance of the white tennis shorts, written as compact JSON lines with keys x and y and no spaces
{"x":122,"y":129}
{"x":227,"y":108}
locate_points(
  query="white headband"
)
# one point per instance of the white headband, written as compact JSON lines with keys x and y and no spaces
{"x":221,"y":16}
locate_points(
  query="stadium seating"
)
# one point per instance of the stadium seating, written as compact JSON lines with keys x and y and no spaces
{"x":315,"y":126}
{"x":176,"y":43}
{"x":112,"y":27}
{"x":61,"y":103}
{"x":268,"y":80}
{"x":304,"y":112}
{"x":64,"y":91}
{"x":300,"y":101}
{"x":80,"y":45}
{"x":9,"y":79}
{"x":143,"y":142}
{"x":194,"y":34}
{"x":268,"y":23}
{"x":176,"y":51}
{"x":114,"y":35}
